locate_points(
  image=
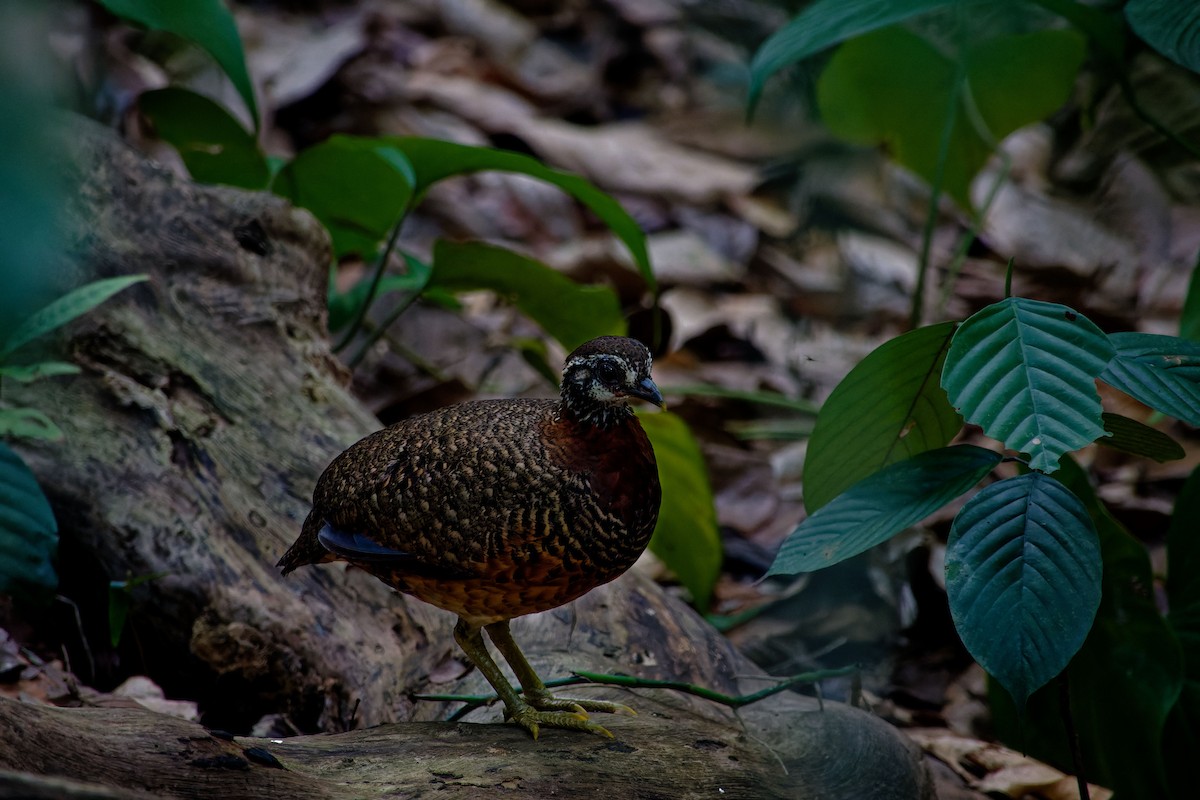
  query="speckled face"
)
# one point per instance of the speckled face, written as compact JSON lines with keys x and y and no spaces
{"x":601,"y":376}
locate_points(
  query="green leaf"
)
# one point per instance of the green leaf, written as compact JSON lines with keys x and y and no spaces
{"x":1130,"y":658}
{"x":66,"y":308}
{"x":1022,"y":78}
{"x":1183,"y":554}
{"x":27,"y":373}
{"x":1189,"y":320}
{"x":888,"y":408}
{"x":1023,"y":579}
{"x":1169,"y":26}
{"x":687,"y":538}
{"x":825,"y":23}
{"x":358,"y":188}
{"x":344,"y":305}
{"x":1025,"y":371}
{"x":206,"y":23}
{"x":881,"y":505}
{"x":1161,"y":371}
{"x":119,"y":602}
{"x":571,"y":312}
{"x":28,"y":531}
{"x":1131,"y":436}
{"x":892,"y":87}
{"x":535,"y":353}
{"x":434,"y":160}
{"x":1123,"y":680}
{"x":120,"y":598}
{"x":1104,"y":30}
{"x":764,"y":398}
{"x":1182,"y":734}
{"x":28,"y":423}
{"x":214,"y":146}
{"x":780,"y":429}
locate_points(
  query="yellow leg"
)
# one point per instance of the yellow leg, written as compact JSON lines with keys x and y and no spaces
{"x":532,"y":687}
{"x":524,"y":714}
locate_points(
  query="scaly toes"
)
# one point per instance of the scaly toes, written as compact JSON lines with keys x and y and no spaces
{"x":605,"y":707}
{"x":531,"y":720}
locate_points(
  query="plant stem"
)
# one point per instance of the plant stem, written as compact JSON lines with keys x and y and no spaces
{"x":935,"y":194}
{"x":629,"y":682}
{"x":1064,"y":706}
{"x":378,"y":332}
{"x":376,"y":277}
{"x":1140,"y":110}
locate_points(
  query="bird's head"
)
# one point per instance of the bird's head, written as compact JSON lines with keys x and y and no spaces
{"x":601,"y":375}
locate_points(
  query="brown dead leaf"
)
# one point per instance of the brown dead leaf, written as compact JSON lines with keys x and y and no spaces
{"x":683,"y":257}
{"x":291,"y":55}
{"x":46,"y":683}
{"x":147,"y":694}
{"x":621,"y":157}
{"x":1040,"y":230}
{"x":512,"y":45}
{"x":1004,"y":771}
{"x":631,"y":157}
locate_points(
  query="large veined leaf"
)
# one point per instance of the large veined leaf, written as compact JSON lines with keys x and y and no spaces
{"x":1023,"y":578}
{"x":881,"y":505}
{"x":358,"y":188}
{"x":214,"y":146}
{"x":207,"y":23}
{"x":890,"y":407}
{"x":28,"y":530}
{"x":686,"y":538}
{"x":1025,"y":371}
{"x":571,"y":312}
{"x":1122,"y":682}
{"x":825,"y":23}
{"x":893,"y":87}
{"x":1131,"y":658}
{"x":1161,"y":371}
{"x":64,"y":309}
{"x":434,"y":160}
{"x":1135,"y":437}
{"x":1170,"y":27}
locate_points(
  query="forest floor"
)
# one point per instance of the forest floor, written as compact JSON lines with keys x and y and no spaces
{"x":784,"y":256}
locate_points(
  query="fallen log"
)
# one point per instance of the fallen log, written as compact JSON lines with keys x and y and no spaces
{"x":208,"y":403}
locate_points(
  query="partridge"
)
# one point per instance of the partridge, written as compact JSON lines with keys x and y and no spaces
{"x":499,"y":508}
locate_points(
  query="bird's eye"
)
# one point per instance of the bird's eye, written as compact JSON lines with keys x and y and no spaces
{"x":609,"y":372}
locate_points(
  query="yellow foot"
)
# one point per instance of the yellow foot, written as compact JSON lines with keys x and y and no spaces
{"x":544,"y":701}
{"x":571,"y":716}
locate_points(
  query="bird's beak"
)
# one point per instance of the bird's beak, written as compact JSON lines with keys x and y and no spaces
{"x":647,"y":390}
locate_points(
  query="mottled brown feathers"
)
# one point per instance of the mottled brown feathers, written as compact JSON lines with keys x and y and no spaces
{"x":499,"y":508}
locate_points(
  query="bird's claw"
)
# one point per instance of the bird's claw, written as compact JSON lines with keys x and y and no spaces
{"x":532,"y":719}
{"x":545,"y":701}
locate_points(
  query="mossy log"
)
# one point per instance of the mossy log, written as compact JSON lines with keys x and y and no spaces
{"x":208,"y":404}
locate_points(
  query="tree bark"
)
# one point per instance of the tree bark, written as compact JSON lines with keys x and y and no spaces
{"x":208,"y":404}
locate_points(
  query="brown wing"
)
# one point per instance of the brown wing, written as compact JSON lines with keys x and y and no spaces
{"x":453,"y":491}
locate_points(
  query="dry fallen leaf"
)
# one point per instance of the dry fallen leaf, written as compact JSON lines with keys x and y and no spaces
{"x":1005,"y":771}
{"x":149,"y":695}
